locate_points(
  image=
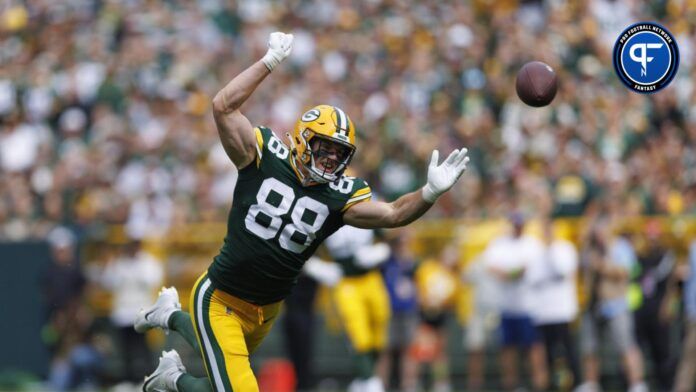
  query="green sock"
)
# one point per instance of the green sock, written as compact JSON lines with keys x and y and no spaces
{"x":374,"y":355}
{"x":364,"y":365}
{"x":188,"y":383}
{"x":180,"y":322}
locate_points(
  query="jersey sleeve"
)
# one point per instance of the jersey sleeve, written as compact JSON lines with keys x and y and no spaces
{"x":269,"y":146}
{"x":361,"y":193}
{"x":262,"y":134}
{"x":259,"y":145}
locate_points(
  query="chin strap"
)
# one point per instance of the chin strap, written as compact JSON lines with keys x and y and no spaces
{"x":297,"y":162}
{"x":294,"y":160}
{"x":305,"y":180}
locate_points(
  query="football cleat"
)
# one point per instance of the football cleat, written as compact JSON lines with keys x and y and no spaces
{"x":158,"y":314}
{"x":588,"y":386}
{"x":168,"y":371}
{"x":373,"y":384}
{"x":356,"y":385}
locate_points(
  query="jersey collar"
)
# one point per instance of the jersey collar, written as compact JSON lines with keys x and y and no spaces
{"x":304,"y":180}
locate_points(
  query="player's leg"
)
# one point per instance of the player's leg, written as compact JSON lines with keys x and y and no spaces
{"x":380,"y":311}
{"x":220,"y":331}
{"x":379,"y":314}
{"x":181,"y":322}
{"x":269,"y":315}
{"x":215,"y":321}
{"x":169,"y":370}
{"x":166,"y":313}
{"x":171,"y":375}
{"x":353,"y":313}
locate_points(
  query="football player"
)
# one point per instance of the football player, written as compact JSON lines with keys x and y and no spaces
{"x":362,"y":300}
{"x":288,"y":199}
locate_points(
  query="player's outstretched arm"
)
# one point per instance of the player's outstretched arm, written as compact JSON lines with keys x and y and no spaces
{"x":409,"y":207}
{"x":236,"y":132}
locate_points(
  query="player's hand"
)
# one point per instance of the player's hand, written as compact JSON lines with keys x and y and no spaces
{"x":442,"y":177}
{"x":279,"y":47}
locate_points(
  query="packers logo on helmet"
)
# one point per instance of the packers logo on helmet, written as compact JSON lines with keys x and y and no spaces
{"x":323,"y":142}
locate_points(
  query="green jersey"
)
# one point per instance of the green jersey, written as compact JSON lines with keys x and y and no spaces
{"x":275,"y":224}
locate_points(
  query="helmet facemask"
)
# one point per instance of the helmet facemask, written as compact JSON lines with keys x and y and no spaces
{"x":323,"y":143}
{"x":325,"y":159}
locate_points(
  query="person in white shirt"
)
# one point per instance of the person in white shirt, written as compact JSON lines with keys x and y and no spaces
{"x":555,"y":302}
{"x":608,"y":259}
{"x":132,"y":277}
{"x":686,"y":374}
{"x":508,"y":258}
{"x":483,"y":321}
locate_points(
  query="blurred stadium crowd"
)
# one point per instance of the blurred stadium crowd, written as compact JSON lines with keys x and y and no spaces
{"x":105,"y":106}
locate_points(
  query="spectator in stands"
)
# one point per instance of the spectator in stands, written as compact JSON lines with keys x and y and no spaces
{"x":686,"y":373}
{"x":555,"y":303}
{"x":608,"y":260}
{"x":299,"y":327}
{"x":132,"y":277}
{"x":88,"y":111}
{"x":75,"y":361}
{"x":656,"y":312}
{"x":483,"y":321}
{"x":509,"y":258}
{"x":79,"y":361}
{"x":299,"y":331}
{"x":437,"y":284}
{"x":63,"y":283}
{"x":397,"y":367}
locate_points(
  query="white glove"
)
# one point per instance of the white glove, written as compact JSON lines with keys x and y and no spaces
{"x":370,"y":256}
{"x":442,"y":177}
{"x":279,"y":47}
{"x":322,"y":271}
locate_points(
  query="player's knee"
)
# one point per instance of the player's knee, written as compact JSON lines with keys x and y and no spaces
{"x":240,"y":374}
{"x":362,"y":345}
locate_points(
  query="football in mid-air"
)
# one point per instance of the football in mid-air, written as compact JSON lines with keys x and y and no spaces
{"x":536,"y":84}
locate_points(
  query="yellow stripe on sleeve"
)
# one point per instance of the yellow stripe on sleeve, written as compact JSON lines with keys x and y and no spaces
{"x":259,"y":145}
{"x":357,"y":199}
{"x":361,"y":192}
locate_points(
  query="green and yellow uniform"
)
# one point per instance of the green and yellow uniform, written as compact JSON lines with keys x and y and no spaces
{"x":275,"y":224}
{"x":360,"y":296}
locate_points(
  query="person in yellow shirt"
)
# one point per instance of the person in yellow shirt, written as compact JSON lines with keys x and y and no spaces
{"x":437,"y":284}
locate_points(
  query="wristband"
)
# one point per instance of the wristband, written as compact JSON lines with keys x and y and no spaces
{"x":271,"y":60}
{"x":429,"y":194}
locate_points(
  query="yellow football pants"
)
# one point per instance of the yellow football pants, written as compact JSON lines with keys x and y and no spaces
{"x":228,"y":330}
{"x":363,"y":305}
